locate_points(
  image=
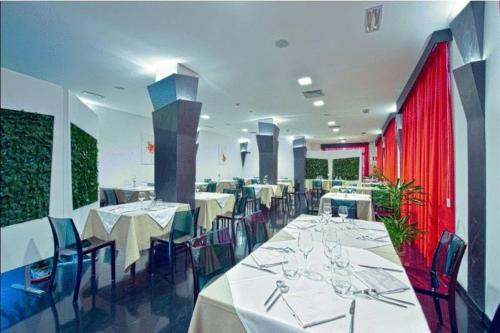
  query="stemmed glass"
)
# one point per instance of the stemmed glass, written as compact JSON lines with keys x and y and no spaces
{"x":306,"y":245}
{"x":141,"y":197}
{"x":152,"y":196}
{"x":330,"y":241}
{"x":343,"y":212}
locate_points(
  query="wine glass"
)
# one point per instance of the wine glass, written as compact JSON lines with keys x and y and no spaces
{"x":327,"y":212}
{"x":306,"y":245}
{"x":342,"y":259}
{"x":343,"y":212}
{"x":330,"y":241}
{"x":152,"y":197}
{"x":141,"y":197}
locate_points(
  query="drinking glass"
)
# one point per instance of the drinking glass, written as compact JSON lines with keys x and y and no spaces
{"x":342,"y":259}
{"x":327,"y":212}
{"x":290,"y":266}
{"x":330,"y":241}
{"x":306,"y":245}
{"x":141,"y":197}
{"x":343,"y":212}
{"x":341,"y":280}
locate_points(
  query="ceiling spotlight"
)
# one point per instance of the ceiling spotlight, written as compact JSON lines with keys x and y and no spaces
{"x":343,"y":141}
{"x":237,"y":104}
{"x":341,"y":138}
{"x":244,"y":130}
{"x":331,"y":123}
{"x":281,"y":43}
{"x":336,"y":128}
{"x":365,"y":111}
{"x":363,"y":133}
{"x":119,"y":88}
{"x":228,"y":124}
{"x":319,"y":103}
{"x":205,"y":116}
{"x":305,"y":81}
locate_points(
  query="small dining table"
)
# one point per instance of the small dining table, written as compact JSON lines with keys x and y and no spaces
{"x":234,"y":302}
{"x":265,"y":192}
{"x":131,"y":225}
{"x":363,"y":203}
{"x":211,"y":205}
{"x":126,"y":194}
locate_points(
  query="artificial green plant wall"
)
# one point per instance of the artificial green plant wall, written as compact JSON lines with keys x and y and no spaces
{"x":25,"y":165}
{"x":83,"y":167}
{"x":316,"y":167}
{"x":345,"y":168}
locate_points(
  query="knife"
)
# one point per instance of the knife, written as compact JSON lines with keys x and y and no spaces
{"x":351,"y":312}
{"x":384,"y":268}
{"x":259,"y":268}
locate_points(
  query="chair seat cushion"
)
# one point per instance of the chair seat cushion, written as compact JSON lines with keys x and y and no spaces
{"x":420,"y":278}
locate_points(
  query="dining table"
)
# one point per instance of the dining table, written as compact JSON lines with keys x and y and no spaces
{"x":357,"y":189}
{"x":126,"y":194}
{"x":211,"y":205}
{"x":132,"y":225}
{"x":265,"y":192}
{"x":326,"y":184}
{"x":225,"y":184}
{"x":363,"y":203}
{"x":377,"y":296}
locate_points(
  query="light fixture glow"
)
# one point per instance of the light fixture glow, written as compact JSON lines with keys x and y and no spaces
{"x":336,"y":128}
{"x":331,"y":123}
{"x":205,"y":116}
{"x":343,"y":141}
{"x":305,"y":81}
{"x":243,"y":140}
{"x":341,"y":138}
{"x":244,"y":130}
{"x":318,"y":103}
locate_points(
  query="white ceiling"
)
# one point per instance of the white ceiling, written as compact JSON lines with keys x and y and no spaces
{"x":96,"y":46}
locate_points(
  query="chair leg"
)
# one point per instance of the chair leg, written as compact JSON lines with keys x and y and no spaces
{"x":113,"y":263}
{"x":171,"y":260}
{"x":54,"y":272}
{"x":93,"y":260}
{"x":151,"y":256}
{"x":437,"y":305}
{"x":78,"y":278}
{"x":452,"y":314}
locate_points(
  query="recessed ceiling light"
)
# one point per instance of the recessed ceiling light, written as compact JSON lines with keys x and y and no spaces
{"x":251,"y":111}
{"x":319,"y":103}
{"x":244,"y":129}
{"x":365,"y":111}
{"x":119,"y":88}
{"x":237,"y":104}
{"x":281,"y":43}
{"x":336,"y":128}
{"x":305,"y":81}
{"x":205,"y":116}
{"x":326,"y":114}
{"x":228,"y":124}
{"x":91,"y":93}
{"x":331,"y":123}
{"x":363,"y":133}
{"x":243,"y":140}
{"x":343,"y":140}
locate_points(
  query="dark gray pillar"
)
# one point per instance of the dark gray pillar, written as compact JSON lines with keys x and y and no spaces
{"x":267,"y":141}
{"x":175,"y":122}
{"x":299,"y":163}
{"x":467,"y":29}
{"x":243,"y":152}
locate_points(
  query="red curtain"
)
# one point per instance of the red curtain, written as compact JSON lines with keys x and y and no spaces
{"x":365,"y":153}
{"x":380,"y":154}
{"x":427,"y":154}
{"x":390,"y":163}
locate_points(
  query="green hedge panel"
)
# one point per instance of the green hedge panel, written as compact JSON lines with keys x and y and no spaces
{"x":346,"y":168}
{"x":316,"y":167}
{"x":25,"y":165}
{"x":83,"y":167}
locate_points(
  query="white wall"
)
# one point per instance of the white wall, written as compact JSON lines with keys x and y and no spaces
{"x":336,"y":154}
{"x":492,"y":56}
{"x":30,"y":241}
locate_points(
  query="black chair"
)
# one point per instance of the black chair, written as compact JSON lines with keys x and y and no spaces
{"x":238,"y":213}
{"x":253,"y":203}
{"x":495,"y":323}
{"x":440,"y":282}
{"x":212,"y":187}
{"x":284,"y":199}
{"x":255,"y":230}
{"x":337,"y":183}
{"x":211,"y":256}
{"x":304,"y":204}
{"x":352,"y":208}
{"x":378,"y":209}
{"x":183,"y":229}
{"x":67,"y":242}
{"x":236,"y":192}
{"x":110,"y":197}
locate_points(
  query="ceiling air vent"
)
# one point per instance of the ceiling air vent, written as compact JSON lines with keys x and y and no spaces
{"x":373,"y":19}
{"x":313,"y":93}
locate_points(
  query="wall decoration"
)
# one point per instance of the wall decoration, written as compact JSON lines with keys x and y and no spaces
{"x":222,"y":154}
{"x":316,"y":167}
{"x":83,"y":167}
{"x":147,"y":149}
{"x":25,"y":165}
{"x":346,"y":168}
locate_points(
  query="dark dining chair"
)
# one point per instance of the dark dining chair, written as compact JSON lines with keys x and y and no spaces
{"x":253,"y":203}
{"x":236,"y":192}
{"x":337,"y":182}
{"x":440,"y":281}
{"x":283,"y":199}
{"x":352,"y":208}
{"x":495,"y":323}
{"x":304,"y":204}
{"x":212,"y":187}
{"x":255,"y":230}
{"x":67,"y":243}
{"x":110,"y":197}
{"x":183,"y":229}
{"x":211,"y":256}
{"x":238,"y":213}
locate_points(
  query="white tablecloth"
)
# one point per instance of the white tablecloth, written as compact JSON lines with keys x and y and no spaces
{"x":211,"y":205}
{"x":363,"y":203}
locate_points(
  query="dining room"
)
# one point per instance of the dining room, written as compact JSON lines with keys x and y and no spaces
{"x":274,"y":166}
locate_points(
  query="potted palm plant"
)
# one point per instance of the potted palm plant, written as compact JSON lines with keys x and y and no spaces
{"x":394,"y":197}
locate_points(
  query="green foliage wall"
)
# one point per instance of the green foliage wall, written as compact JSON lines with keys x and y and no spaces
{"x":316,"y":167}
{"x":83,"y":167}
{"x":25,"y":165}
{"x":346,"y":168}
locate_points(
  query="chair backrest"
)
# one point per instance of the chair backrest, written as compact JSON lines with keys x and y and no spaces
{"x":110,"y":196}
{"x":495,"y":323}
{"x":284,"y":191}
{"x":337,"y":183}
{"x":65,"y":234}
{"x":207,"y":180}
{"x":256,"y":230}
{"x":447,"y":258}
{"x":352,"y":209}
{"x":317,"y":184}
{"x":234,"y":191}
{"x":212,"y":187}
{"x":254,"y":181}
{"x":184,"y":224}
{"x":296,"y":186}
{"x":249,"y":191}
{"x":240,"y":182}
{"x":240,"y":206}
{"x":211,"y":256}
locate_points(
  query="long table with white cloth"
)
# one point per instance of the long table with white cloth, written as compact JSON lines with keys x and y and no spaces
{"x":235,"y":301}
{"x":363,"y":203}
{"x":131,"y":225}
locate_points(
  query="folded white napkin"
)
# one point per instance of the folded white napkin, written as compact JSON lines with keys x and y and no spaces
{"x":264,"y":257}
{"x":222,"y":199}
{"x":109,"y":215}
{"x":316,"y":306}
{"x":381,"y":280}
{"x":164,"y":216}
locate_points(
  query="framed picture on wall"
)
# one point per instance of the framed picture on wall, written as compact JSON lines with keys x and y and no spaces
{"x":147,"y":149}
{"x":222,"y":154}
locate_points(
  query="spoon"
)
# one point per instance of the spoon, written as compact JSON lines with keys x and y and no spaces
{"x":283,"y":290}
{"x":279,"y":283}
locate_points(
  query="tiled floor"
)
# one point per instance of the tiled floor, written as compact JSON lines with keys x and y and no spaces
{"x":144,"y":304}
